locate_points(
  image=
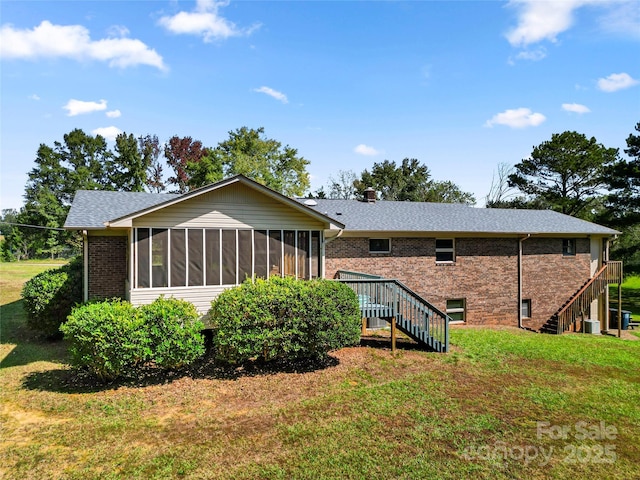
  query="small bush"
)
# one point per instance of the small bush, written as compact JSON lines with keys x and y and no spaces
{"x":108,"y":338}
{"x":50,"y":296}
{"x":283,"y":318}
{"x":174,"y":330}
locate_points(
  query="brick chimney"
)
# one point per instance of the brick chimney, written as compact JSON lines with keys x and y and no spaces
{"x":370,"y":195}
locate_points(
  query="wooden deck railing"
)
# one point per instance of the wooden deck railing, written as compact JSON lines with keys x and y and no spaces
{"x":393,"y":301}
{"x":580,"y":303}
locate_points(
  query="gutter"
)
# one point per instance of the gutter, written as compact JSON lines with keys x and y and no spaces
{"x":331,"y":239}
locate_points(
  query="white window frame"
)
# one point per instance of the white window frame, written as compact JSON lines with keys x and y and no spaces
{"x":525,"y":305}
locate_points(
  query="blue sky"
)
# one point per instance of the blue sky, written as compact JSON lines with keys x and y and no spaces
{"x":461,"y":86}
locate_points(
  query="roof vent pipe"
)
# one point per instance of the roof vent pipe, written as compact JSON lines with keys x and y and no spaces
{"x":370,"y":195}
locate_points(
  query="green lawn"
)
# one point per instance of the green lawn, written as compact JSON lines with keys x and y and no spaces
{"x":505,"y":404}
{"x":630,"y":296}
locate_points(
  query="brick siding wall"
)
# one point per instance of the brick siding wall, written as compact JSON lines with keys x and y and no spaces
{"x":485,"y":273}
{"x":107,"y":267}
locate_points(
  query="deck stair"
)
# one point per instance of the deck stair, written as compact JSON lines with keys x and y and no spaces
{"x":578,"y":306}
{"x":391,"y":300}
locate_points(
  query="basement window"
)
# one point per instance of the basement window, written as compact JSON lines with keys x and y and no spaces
{"x":379,"y":245}
{"x":445,"y":250}
{"x":569,"y":247}
{"x":525,"y":308}
{"x":456,"y":309}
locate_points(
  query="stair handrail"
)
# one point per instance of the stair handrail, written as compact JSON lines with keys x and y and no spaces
{"x":350,"y":277}
{"x":610,"y":272}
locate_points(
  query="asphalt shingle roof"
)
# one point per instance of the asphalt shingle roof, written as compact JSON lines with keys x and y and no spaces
{"x":92,"y":209}
{"x":388,"y":216}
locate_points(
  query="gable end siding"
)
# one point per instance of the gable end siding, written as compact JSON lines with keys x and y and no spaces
{"x":235,"y":206}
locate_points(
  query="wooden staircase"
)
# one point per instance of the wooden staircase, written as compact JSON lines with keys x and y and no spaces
{"x":391,"y":300}
{"x":579,"y":304}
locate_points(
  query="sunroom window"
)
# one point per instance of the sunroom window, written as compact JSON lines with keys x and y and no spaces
{"x":195,"y":257}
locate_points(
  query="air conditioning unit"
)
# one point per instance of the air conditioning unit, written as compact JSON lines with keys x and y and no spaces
{"x":591,"y":326}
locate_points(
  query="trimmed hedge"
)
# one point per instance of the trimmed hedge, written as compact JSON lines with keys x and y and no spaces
{"x":113,"y":338}
{"x":50,"y":296}
{"x":283,"y":318}
{"x":175,"y":331}
{"x":108,"y":338}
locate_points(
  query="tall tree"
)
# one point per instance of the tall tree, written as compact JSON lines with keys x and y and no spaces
{"x":342,"y":185}
{"x":409,"y":181}
{"x":15,"y":245}
{"x":150,"y":149}
{"x":129,"y":166}
{"x":623,"y":179}
{"x":447,"y":192}
{"x":180,"y":151}
{"x":208,"y":169}
{"x":567,"y":173}
{"x":80,"y":162}
{"x":621,"y":207}
{"x":249,"y":152}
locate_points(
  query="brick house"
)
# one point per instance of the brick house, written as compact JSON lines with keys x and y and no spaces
{"x":480,"y":266}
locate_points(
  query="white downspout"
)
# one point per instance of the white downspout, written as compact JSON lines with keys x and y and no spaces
{"x":85,"y":266}
{"x":324,"y":250}
{"x":520,"y":241}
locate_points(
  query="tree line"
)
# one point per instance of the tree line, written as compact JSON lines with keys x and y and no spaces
{"x":569,"y":173}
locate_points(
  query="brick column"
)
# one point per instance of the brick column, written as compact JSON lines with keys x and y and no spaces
{"x":107,"y":267}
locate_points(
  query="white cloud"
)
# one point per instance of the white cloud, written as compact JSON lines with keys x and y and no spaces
{"x":34,"y":97}
{"x":73,"y":41}
{"x":541,"y":20}
{"x":363,"y":149}
{"x":575,"y":108}
{"x":273,"y":93}
{"x":204,"y":21}
{"x":516,"y":118}
{"x":113,"y":114}
{"x":616,"y":81}
{"x":623,"y":20}
{"x":545,"y":20}
{"x":110,"y":133}
{"x":532,"y":55}
{"x":118,"y":31}
{"x":78,"y":107}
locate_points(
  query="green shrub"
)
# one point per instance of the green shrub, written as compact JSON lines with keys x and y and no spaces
{"x":283,"y":318}
{"x":174,"y":330}
{"x":108,"y":338}
{"x":50,"y":296}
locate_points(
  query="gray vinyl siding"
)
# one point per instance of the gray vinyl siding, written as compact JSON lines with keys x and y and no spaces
{"x":236,"y":206}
